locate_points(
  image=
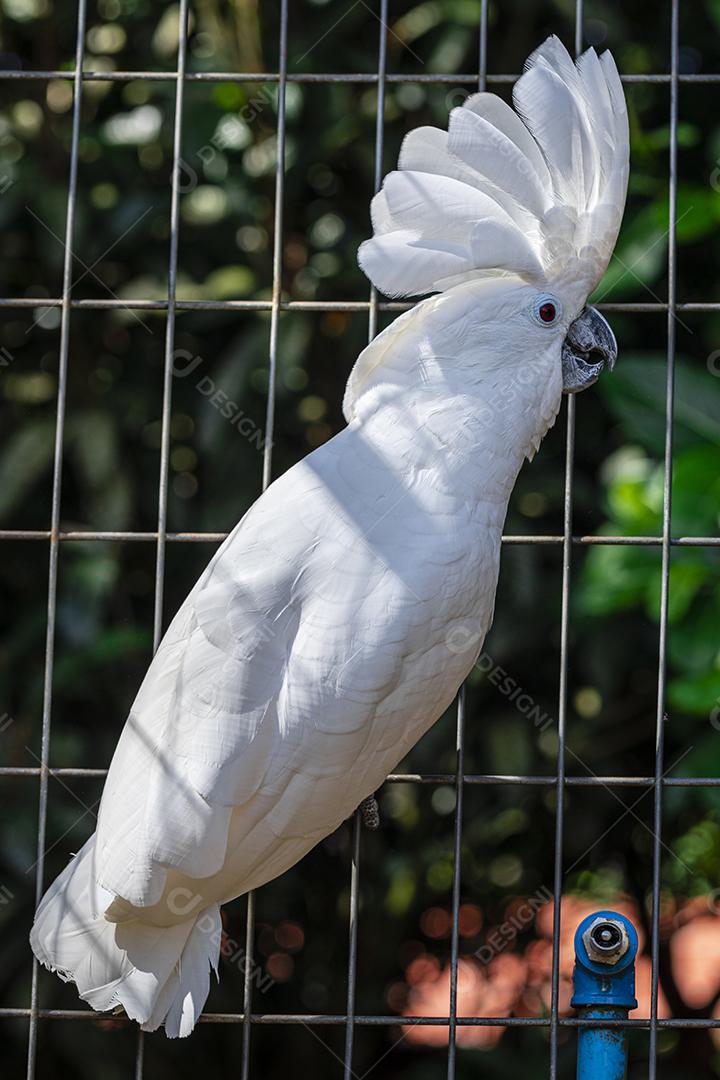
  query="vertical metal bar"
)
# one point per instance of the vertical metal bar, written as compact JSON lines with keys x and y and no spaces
{"x":579,"y":17}
{"x":457,"y":877}
{"x":170,"y":325}
{"x":372,"y":331}
{"x":666,"y":548}
{"x":482,"y":50}
{"x":460,"y":734}
{"x":267,"y":450}
{"x":562,"y":689}
{"x":352,"y":949}
{"x":168,"y":372}
{"x":562,"y":723}
{"x":277,"y":244}
{"x":379,"y":135}
{"x":55,"y":510}
{"x":247,"y":984}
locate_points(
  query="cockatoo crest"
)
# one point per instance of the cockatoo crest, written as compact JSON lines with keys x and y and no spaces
{"x":536,"y":193}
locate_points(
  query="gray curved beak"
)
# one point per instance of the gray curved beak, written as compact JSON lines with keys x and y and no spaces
{"x":588,"y":346}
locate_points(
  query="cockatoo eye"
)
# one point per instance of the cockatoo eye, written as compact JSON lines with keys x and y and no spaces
{"x":546,"y":310}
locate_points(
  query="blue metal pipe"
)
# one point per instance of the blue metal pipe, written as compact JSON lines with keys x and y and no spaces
{"x":604,"y":989}
{"x":602,"y":1052}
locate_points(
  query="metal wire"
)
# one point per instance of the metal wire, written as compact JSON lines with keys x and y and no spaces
{"x":161,"y":536}
{"x":269,"y":428}
{"x":450,"y":778}
{"x":560,"y":781}
{"x":299,"y":305}
{"x":376,"y":1020}
{"x":73,"y":536}
{"x":460,"y":737}
{"x":170,"y":323}
{"x":666,"y":547}
{"x":316,"y":77}
{"x":562,"y":691}
{"x":55,"y":512}
{"x":372,"y":309}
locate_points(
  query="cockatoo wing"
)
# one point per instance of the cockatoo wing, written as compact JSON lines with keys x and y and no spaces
{"x":269,"y":706}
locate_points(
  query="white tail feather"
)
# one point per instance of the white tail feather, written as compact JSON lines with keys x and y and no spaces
{"x":158,"y":974}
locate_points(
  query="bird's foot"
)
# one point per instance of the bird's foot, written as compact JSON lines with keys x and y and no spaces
{"x":370,"y":812}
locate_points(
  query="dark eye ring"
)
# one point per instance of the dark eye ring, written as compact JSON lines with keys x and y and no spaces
{"x":546,"y":310}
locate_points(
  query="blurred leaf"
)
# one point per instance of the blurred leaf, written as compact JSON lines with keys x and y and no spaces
{"x":686,"y":580}
{"x":687,"y":135}
{"x":639,"y":259}
{"x":636,"y":396}
{"x":640,"y":256}
{"x":696,"y":491}
{"x":95,"y":449}
{"x":697,"y":215}
{"x":693,"y":643}
{"x":229,"y":282}
{"x":696,"y":693}
{"x":401,"y":891}
{"x":616,"y":579}
{"x":27,"y":456}
{"x":104,"y":649}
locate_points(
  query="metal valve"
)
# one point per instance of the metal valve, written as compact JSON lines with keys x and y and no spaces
{"x":606,"y":945}
{"x":606,"y":940}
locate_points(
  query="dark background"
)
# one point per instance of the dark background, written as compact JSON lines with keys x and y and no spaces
{"x":110,"y":481}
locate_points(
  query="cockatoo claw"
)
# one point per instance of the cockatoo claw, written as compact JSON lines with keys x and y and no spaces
{"x":370,"y":812}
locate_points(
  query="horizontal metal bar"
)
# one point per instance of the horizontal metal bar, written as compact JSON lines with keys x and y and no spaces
{"x":31,"y":770}
{"x":335,"y":1019}
{"x":216,"y":537}
{"x":477,"y":779}
{"x":110,"y":304}
{"x":360,"y":77}
{"x":44,"y":534}
{"x":488,"y":779}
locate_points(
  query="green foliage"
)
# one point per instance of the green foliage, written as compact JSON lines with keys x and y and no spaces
{"x":623,"y":578}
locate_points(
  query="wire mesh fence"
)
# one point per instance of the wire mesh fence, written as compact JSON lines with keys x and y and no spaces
{"x":247,"y":1016}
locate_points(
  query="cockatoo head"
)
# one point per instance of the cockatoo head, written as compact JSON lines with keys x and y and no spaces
{"x":516,"y":210}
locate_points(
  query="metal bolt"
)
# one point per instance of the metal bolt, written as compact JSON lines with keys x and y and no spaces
{"x":606,"y":941}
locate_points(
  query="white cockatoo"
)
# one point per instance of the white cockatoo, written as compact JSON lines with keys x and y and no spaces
{"x":321,"y":642}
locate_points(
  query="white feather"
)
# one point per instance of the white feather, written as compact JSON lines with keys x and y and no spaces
{"x":424,"y":262}
{"x":498,"y":113}
{"x":435,"y":204}
{"x":425,"y":149}
{"x":496,"y":157}
{"x":444,"y":228}
{"x":556,"y":167}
